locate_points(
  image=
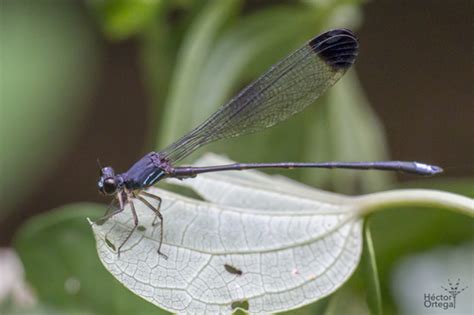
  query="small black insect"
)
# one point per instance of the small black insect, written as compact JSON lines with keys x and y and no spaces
{"x":232,"y":269}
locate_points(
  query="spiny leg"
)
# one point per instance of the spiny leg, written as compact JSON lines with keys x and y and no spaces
{"x":135,"y":224}
{"x":158,"y":215}
{"x":158,"y":207}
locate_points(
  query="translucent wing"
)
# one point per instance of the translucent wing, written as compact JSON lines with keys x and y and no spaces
{"x":284,"y":90}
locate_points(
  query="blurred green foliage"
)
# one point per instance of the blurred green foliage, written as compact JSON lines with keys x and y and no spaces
{"x":61,"y":263}
{"x":122,"y":18}
{"x":195,"y":55}
{"x":369,"y":265}
{"x":48,"y":57}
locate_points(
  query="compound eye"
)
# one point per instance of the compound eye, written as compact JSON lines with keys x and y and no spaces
{"x":110,"y":186}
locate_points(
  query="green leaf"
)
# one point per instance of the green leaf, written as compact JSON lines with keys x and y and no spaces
{"x":39,"y":309}
{"x":159,"y":44}
{"x":423,"y":229}
{"x":319,"y":307}
{"x":192,"y":55}
{"x":123,"y":18}
{"x":349,"y":131}
{"x":463,"y":186}
{"x":61,"y":264}
{"x":371,"y":277}
{"x":346,"y":300}
{"x":48,"y":60}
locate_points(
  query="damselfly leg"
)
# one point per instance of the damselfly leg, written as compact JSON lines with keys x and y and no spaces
{"x":113,"y":209}
{"x":157,"y":209}
{"x":158,"y":215}
{"x":118,"y":205}
{"x":135,"y":224}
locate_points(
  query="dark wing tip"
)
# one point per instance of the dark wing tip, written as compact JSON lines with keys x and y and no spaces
{"x":337,"y":48}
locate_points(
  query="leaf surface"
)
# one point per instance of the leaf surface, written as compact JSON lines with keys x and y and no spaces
{"x":263,"y":243}
{"x":286,"y":251}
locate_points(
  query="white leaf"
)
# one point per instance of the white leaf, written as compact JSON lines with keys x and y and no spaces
{"x":264,"y":243}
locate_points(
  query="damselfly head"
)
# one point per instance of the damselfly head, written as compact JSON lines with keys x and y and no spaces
{"x":108,"y":183}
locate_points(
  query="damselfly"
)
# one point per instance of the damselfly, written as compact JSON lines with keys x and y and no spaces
{"x":284,"y":90}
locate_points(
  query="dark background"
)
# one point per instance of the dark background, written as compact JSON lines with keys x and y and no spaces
{"x":415,"y":65}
